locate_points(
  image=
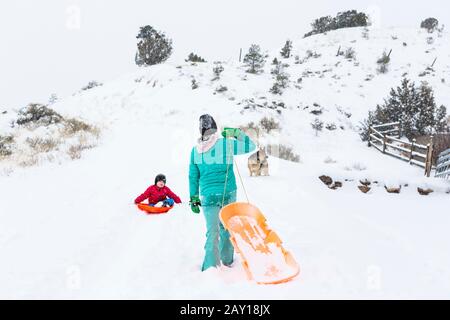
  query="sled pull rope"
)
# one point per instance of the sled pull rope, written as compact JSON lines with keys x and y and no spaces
{"x":226,"y":175}
{"x":242,"y":181}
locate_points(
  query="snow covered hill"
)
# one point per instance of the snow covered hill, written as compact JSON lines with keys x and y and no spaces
{"x":70,"y":230}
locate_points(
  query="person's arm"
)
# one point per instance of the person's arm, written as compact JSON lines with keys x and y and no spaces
{"x":194,"y":176}
{"x":143,"y":196}
{"x":173,"y":196}
{"x":243,"y":144}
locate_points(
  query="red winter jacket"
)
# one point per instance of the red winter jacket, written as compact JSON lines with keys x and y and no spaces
{"x":155,"y":195}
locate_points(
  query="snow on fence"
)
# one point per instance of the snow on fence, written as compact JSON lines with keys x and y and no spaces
{"x":443,"y":165}
{"x":386,"y":138}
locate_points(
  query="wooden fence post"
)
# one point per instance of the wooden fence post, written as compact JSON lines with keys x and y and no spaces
{"x":432,"y":65}
{"x":429,"y":159}
{"x":412,"y":150}
{"x":389,"y":55}
{"x":369,"y":141}
{"x":400,"y":130}
{"x":384,"y":142}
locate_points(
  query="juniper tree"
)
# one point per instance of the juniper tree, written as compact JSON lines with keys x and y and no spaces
{"x":414,"y":107}
{"x":440,"y":119}
{"x":194,"y":58}
{"x":430,"y":24}
{"x":217,"y":70}
{"x":346,"y":19}
{"x":281,"y":79}
{"x":351,"y":18}
{"x":425,"y":111}
{"x":402,"y":106}
{"x":365,"y":124}
{"x":383,"y":63}
{"x":153,"y":47}
{"x":286,"y":50}
{"x":254,"y":59}
{"x":317,"y":125}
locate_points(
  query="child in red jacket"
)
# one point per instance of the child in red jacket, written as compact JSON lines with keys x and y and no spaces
{"x":159,"y":194}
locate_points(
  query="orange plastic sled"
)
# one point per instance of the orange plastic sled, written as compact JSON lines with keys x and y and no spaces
{"x":153,"y":210}
{"x":263,"y":256}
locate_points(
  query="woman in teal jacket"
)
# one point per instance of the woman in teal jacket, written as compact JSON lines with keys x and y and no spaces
{"x":210,"y":187}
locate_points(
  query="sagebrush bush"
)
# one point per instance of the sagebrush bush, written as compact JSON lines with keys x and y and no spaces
{"x":350,"y":53}
{"x":250,"y":126}
{"x":91,"y":85}
{"x":38,"y":114}
{"x":252,"y":130}
{"x":221,"y":89}
{"x":269,"y":124}
{"x":6,"y":143}
{"x":329,"y":160}
{"x":283,"y":152}
{"x":194,"y":84}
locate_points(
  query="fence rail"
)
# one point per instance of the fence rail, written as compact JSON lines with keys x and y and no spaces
{"x":443,"y":165}
{"x":381,"y":137}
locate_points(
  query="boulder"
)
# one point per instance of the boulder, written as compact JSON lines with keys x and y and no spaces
{"x":364,"y":189}
{"x":393,"y":189}
{"x":424,"y":192}
{"x":326,"y":180}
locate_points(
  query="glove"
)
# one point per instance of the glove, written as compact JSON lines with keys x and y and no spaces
{"x":195,"y":204}
{"x":231,"y":132}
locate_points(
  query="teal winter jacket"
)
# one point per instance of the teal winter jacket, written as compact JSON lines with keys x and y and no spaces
{"x":208,"y":168}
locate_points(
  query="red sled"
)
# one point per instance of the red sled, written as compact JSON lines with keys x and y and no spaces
{"x":153,"y":210}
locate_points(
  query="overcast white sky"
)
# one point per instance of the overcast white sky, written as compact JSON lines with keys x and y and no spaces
{"x":59,"y":45}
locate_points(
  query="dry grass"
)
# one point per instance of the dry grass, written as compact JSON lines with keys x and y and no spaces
{"x":29,"y":161}
{"x":75,"y":151}
{"x":41,"y":145}
{"x":73,"y":126}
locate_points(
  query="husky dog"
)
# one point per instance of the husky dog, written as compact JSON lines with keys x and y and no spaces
{"x":258,"y":164}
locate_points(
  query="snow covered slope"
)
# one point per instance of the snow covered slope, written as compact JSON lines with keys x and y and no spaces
{"x":71,"y":230}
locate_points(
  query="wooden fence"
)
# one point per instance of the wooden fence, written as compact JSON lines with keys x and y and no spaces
{"x":443,"y":165}
{"x":387,"y":139}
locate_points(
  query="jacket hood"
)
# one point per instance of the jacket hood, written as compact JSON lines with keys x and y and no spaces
{"x":206,"y":145}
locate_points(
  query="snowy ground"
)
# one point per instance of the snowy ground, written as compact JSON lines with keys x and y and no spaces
{"x":71,"y":231}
